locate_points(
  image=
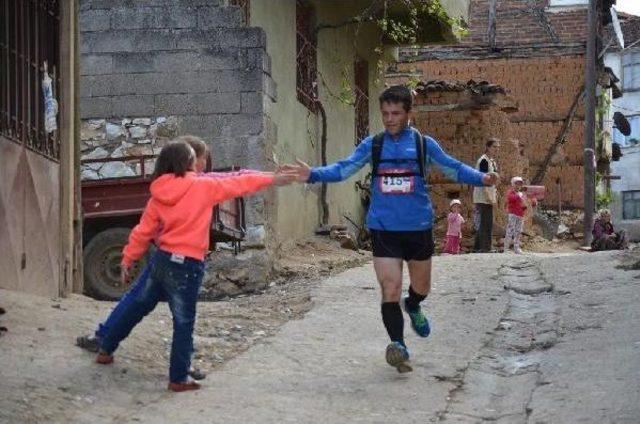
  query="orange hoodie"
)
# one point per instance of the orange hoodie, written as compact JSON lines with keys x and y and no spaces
{"x":180,"y":209}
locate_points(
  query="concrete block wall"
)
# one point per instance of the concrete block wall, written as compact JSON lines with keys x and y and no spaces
{"x":192,"y":60}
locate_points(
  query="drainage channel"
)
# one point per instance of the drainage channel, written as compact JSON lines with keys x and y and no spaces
{"x":498,"y":384}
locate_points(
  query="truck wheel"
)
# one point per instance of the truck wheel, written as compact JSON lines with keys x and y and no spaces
{"x":102,"y":257}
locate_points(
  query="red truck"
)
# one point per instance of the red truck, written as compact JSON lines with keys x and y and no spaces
{"x":112,"y":207}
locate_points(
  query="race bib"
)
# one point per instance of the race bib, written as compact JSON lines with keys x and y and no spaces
{"x":392,"y":184}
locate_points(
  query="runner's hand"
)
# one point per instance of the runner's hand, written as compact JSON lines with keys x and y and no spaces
{"x":490,"y":179}
{"x":125,"y":275}
{"x":301,"y":169}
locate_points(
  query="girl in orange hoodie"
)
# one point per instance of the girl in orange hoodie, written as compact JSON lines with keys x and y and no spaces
{"x":180,"y":211}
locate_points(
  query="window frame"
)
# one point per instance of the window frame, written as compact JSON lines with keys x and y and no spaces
{"x":306,"y":56}
{"x":636,"y":201}
{"x":568,"y":3}
{"x":29,"y":38}
{"x":630,"y":60}
{"x":361,"y":106}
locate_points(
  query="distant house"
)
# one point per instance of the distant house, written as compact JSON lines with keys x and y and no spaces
{"x":625,"y":63}
{"x":536,"y":51}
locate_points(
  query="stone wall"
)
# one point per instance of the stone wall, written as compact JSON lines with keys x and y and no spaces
{"x":118,"y":138}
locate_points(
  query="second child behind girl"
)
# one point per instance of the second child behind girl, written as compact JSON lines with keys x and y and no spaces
{"x":178,"y":216}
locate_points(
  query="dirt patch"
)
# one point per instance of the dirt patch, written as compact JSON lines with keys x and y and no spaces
{"x":48,"y":379}
{"x":629,"y":260}
{"x":541,"y":245}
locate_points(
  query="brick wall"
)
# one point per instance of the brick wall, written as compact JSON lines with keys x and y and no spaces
{"x":544,"y":88}
{"x":462,"y":131}
{"x":526,"y":22}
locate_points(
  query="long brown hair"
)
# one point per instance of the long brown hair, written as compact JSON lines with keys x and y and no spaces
{"x":177,"y":158}
{"x":198,"y":144}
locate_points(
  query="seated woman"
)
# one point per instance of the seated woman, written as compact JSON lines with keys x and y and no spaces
{"x":604,"y":238}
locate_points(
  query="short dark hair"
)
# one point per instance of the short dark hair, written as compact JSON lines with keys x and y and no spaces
{"x":491,"y":142}
{"x":397,"y":94}
{"x":174,"y":158}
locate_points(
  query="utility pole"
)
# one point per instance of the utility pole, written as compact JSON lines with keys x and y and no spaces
{"x":492,"y":24}
{"x":590,"y":125}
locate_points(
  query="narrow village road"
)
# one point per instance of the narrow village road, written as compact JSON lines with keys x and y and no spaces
{"x":517,"y":339}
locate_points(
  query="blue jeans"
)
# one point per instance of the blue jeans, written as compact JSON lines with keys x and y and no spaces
{"x":124,"y":302}
{"x":179,"y":283}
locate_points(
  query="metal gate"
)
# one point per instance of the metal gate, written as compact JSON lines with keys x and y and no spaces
{"x":29,"y":157}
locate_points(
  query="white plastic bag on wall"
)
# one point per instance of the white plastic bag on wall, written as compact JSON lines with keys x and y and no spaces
{"x":50,"y":104}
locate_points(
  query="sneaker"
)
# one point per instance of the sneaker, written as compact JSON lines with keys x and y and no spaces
{"x":517,"y":251}
{"x":184,"y":386}
{"x":397,"y":355}
{"x":197,"y":374}
{"x":90,"y":343}
{"x":419,"y":321}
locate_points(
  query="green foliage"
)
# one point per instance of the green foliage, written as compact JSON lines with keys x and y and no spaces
{"x":604,"y":199}
{"x":347,"y":94}
{"x":413,"y":82}
{"x":399,"y":32}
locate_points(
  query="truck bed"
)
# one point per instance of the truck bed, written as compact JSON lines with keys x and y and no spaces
{"x":120,"y":197}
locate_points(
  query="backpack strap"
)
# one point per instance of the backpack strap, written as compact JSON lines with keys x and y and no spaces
{"x":421,"y":148}
{"x":376,"y":153}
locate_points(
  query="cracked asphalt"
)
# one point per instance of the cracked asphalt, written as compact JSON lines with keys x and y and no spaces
{"x":536,"y":338}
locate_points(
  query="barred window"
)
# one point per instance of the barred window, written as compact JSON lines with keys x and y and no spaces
{"x":361,"y":76}
{"x":631,"y":71}
{"x":306,"y":56}
{"x":29,"y":37}
{"x":631,"y":204}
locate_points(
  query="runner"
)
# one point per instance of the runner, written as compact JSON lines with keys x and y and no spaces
{"x":400,"y":217}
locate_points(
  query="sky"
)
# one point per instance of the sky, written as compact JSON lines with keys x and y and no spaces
{"x":629,"y":6}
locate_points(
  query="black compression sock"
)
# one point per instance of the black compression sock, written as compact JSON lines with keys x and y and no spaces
{"x":393,"y":321}
{"x":414,"y":299}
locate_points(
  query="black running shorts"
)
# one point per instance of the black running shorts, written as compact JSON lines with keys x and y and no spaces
{"x":406,"y":245}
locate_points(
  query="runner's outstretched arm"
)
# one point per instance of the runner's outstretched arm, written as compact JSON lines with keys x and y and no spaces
{"x":343,"y":169}
{"x":453,"y":168}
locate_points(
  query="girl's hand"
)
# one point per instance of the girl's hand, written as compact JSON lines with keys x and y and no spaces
{"x":490,"y":179}
{"x":125,"y":275}
{"x":284,"y":177}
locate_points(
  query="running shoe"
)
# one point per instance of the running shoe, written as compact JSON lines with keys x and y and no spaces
{"x":90,"y":343}
{"x":419,"y":321}
{"x":397,"y":356}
